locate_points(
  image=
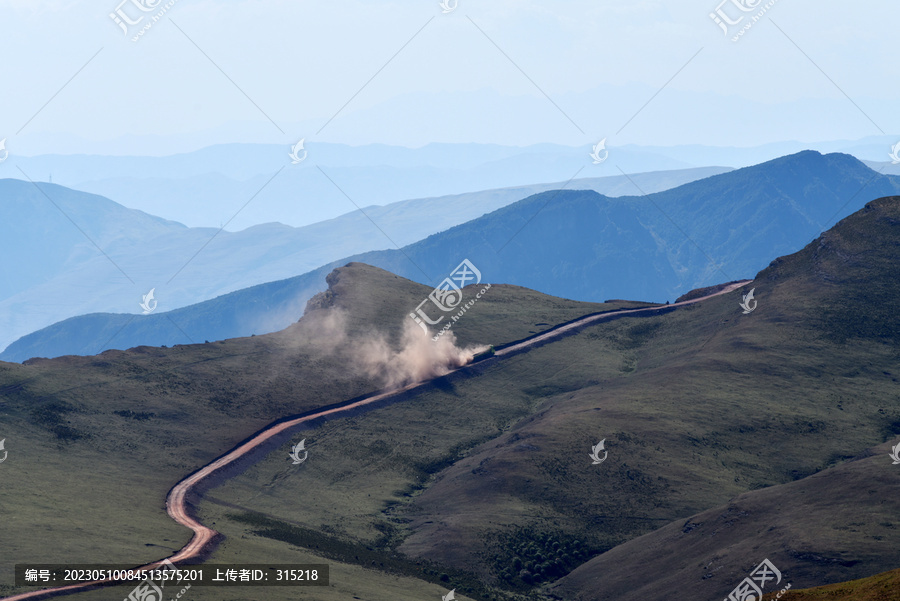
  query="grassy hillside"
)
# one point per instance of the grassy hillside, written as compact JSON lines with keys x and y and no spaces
{"x":96,"y":442}
{"x":702,"y":405}
{"x":696,"y":407}
{"x":834,"y":525}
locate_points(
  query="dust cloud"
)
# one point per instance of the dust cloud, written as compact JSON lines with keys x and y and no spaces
{"x":417,"y":359}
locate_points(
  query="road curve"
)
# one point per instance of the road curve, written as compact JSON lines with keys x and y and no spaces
{"x":204,"y":537}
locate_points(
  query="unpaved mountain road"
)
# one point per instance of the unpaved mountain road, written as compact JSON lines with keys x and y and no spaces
{"x":572,"y":327}
{"x":177,"y":502}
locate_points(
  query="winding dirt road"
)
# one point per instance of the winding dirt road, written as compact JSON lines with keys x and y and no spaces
{"x":204,"y":538}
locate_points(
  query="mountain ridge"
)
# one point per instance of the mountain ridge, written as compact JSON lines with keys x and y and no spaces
{"x":571,"y":243}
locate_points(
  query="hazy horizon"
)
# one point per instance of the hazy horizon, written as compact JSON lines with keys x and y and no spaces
{"x":406,"y":74}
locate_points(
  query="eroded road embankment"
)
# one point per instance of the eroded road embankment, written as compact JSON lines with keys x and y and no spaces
{"x":180,"y":498}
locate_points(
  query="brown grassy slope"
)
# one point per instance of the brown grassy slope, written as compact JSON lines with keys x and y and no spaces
{"x":881,"y":587}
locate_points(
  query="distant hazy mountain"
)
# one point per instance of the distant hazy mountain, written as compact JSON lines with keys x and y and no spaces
{"x":583,"y":246}
{"x":40,"y":237}
{"x":872,"y":148}
{"x":58,"y":272}
{"x":574,"y":244}
{"x":886,"y":168}
{"x":210,"y":186}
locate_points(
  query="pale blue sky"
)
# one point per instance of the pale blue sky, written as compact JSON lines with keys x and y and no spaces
{"x":298,"y":62}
